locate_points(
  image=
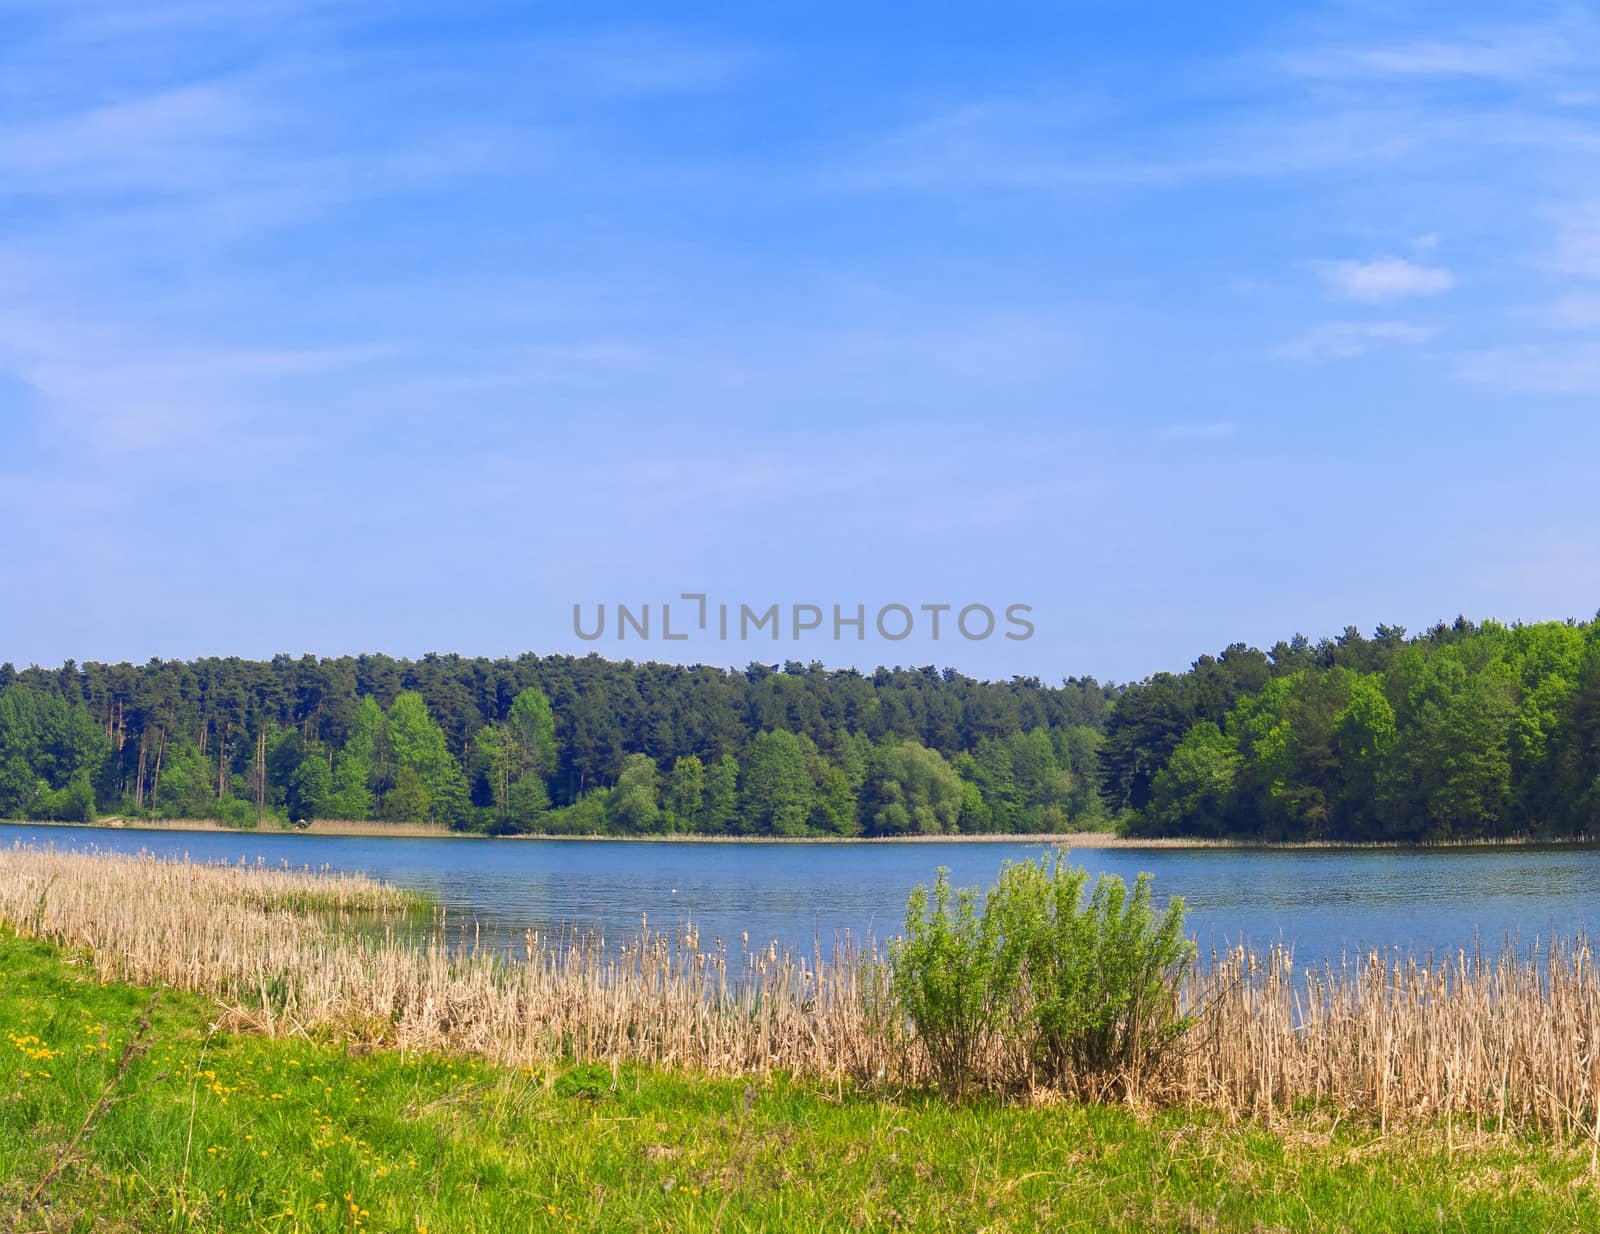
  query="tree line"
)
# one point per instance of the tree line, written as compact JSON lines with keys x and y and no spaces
{"x":1463,"y":731}
{"x":552,"y":744}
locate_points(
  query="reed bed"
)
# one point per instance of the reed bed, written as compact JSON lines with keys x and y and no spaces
{"x":1506,"y":1040}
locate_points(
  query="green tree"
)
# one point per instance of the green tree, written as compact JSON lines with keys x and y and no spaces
{"x":686,"y":794}
{"x":529,"y":803}
{"x":76,"y":801}
{"x":1191,"y":794}
{"x":408,"y":799}
{"x":187,"y":788}
{"x":310,"y":787}
{"x":428,"y":781}
{"x":835,"y":810}
{"x":1365,"y":735}
{"x":19,"y":788}
{"x":517,"y":755}
{"x":353,"y":766}
{"x":634,"y":804}
{"x":911,"y":790}
{"x":1470,"y":754}
{"x":719,"y":813}
{"x":776,"y":786}
{"x":496,"y":749}
{"x":533,"y":726}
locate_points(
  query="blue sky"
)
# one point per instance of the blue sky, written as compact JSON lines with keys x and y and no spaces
{"x":354,"y":327}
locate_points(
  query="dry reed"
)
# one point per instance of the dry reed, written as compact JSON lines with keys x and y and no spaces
{"x":1507,"y":1040}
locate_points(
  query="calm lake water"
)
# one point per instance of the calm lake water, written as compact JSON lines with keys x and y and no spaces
{"x":1323,"y":902}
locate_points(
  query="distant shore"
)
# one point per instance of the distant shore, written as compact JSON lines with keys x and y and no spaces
{"x":1064,"y":839}
{"x":329,"y":827}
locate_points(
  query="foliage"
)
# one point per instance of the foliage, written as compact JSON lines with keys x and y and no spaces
{"x":572,"y":722}
{"x":776,"y":785}
{"x":428,"y":780}
{"x":955,"y":977}
{"x":515,"y":757}
{"x":686,"y":794}
{"x":631,"y":807}
{"x":1194,"y":787}
{"x":1102,"y":972}
{"x":911,"y":790}
{"x":355,"y":766}
{"x":1463,"y":732}
{"x":1088,"y":985}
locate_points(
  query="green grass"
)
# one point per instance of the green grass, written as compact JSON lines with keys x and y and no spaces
{"x":217,"y":1131}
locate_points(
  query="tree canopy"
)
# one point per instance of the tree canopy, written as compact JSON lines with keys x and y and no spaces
{"x":1464,"y":731}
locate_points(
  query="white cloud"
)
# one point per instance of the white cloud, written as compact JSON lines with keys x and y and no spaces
{"x":1507,"y":53}
{"x":1507,"y":57}
{"x":1537,"y":368}
{"x":1385,"y":278}
{"x":1577,"y":241}
{"x":1344,"y":340}
{"x":1579,"y":311}
{"x":639,"y":62}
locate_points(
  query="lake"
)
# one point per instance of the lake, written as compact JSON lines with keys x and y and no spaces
{"x":1322,"y":901}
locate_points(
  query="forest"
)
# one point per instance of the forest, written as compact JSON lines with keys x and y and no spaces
{"x":1464,"y":731}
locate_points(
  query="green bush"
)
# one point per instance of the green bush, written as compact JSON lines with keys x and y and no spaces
{"x":955,"y":978}
{"x":1080,"y":991}
{"x":1102,"y":973}
{"x":73,"y":802}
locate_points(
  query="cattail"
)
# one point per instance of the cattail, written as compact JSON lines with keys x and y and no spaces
{"x":1509,"y":1037}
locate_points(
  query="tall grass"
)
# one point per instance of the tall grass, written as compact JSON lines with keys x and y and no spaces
{"x":1507,"y":1040}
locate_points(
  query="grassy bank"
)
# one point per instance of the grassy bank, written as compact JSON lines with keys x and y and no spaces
{"x":1500,"y":1039}
{"x":197,"y":1129}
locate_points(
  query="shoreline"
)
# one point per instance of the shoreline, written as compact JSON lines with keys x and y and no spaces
{"x":413,"y":831}
{"x":1068,"y":839}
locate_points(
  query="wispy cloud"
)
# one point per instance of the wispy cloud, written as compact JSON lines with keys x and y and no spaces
{"x":175,"y":218}
{"x":639,"y":60}
{"x":1507,"y":54}
{"x":1576,"y":239}
{"x":1578,"y":311}
{"x":1344,"y":340}
{"x":1065,"y":145}
{"x":1537,"y":368}
{"x":1383,"y":279}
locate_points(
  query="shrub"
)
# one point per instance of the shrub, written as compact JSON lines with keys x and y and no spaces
{"x":1080,"y":991}
{"x":1102,"y":973}
{"x":71,"y":803}
{"x":955,"y":978}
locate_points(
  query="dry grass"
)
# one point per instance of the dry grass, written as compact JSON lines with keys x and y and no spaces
{"x":1505,"y":1041}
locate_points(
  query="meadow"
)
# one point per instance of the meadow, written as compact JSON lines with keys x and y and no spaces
{"x":108,"y":1125}
{"x":307,"y":1065}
